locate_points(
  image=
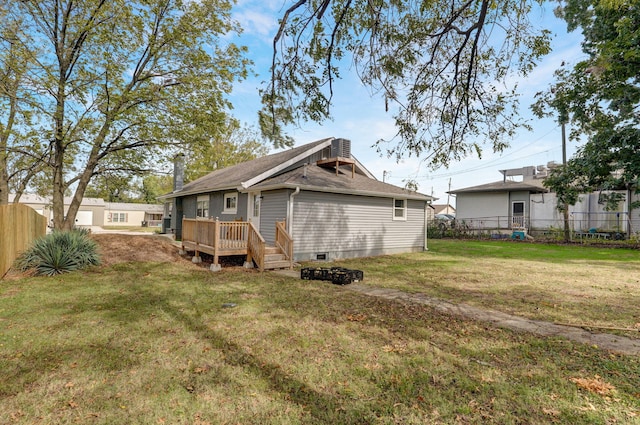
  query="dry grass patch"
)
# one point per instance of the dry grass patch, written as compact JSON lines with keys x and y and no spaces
{"x":566,"y":284}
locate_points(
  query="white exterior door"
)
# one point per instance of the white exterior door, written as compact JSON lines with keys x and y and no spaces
{"x":517,"y":214}
{"x":254,"y":209}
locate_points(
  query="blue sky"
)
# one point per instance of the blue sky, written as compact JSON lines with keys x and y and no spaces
{"x":363,"y":119}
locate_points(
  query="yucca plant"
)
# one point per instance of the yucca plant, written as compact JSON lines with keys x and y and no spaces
{"x":59,"y":252}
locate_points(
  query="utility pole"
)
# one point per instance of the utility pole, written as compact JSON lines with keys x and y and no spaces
{"x":567,"y":234}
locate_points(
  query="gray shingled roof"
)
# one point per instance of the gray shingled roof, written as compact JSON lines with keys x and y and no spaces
{"x":534,"y":186}
{"x":232,"y":177}
{"x":317,"y":179}
{"x":324,"y":179}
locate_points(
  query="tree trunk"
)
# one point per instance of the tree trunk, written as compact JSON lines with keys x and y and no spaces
{"x":4,"y":147}
{"x":4,"y":177}
{"x":87,"y":173}
{"x":57,"y":162}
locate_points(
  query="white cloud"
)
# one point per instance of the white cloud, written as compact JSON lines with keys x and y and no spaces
{"x":257,"y":23}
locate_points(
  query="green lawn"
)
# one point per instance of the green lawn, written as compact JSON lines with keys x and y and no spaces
{"x":153,"y":343}
{"x":559,"y":283}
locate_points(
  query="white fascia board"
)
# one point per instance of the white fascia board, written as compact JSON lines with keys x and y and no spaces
{"x":285,"y":165}
{"x":364,"y":169}
{"x":194,"y":192}
{"x":424,"y":198}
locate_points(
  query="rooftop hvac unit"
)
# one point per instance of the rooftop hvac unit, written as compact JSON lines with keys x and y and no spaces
{"x":341,"y":148}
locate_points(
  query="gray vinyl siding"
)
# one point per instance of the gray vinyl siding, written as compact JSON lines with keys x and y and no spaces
{"x":188,"y":207}
{"x":273,"y":208}
{"x":347,"y":226}
{"x":216,"y":206}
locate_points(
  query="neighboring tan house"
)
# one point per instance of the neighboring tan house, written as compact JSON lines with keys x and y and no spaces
{"x":443,"y":209}
{"x":332,"y":205}
{"x":527,"y":205}
{"x":97,"y":212}
{"x":129,"y":214}
{"x":90,"y":213}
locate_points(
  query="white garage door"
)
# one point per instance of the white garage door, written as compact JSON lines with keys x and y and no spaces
{"x":84,"y":218}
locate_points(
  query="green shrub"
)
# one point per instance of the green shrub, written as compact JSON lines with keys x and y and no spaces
{"x":59,"y":252}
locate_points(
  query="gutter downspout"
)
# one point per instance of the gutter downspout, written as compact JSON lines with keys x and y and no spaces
{"x":290,"y":218}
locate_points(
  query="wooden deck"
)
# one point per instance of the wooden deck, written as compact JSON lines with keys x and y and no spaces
{"x":224,"y":238}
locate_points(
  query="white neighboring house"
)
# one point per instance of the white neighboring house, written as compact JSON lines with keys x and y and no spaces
{"x":520,"y":201}
{"x":97,"y":212}
{"x":128,"y":214}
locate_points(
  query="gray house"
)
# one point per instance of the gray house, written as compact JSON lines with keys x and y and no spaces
{"x":332,"y":205}
{"x":520,"y":201}
{"x":503,"y":204}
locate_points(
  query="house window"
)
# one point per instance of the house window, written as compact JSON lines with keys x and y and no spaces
{"x":118,"y":217}
{"x":230,"y":203}
{"x":399,"y":209}
{"x":202,"y":209}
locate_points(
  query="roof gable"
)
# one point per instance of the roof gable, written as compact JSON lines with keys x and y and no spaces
{"x":534,"y":186}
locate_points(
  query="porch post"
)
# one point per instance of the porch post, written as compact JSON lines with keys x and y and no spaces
{"x":196,"y":257}
{"x":216,"y":240}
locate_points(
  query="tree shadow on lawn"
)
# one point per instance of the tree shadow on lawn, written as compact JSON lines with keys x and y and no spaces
{"x":129,"y":304}
{"x":137,"y":303}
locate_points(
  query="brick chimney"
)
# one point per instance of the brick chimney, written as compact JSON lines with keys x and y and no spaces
{"x":178,"y":172}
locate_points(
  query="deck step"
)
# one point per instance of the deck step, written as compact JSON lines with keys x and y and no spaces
{"x":273,"y":257}
{"x":281,"y":264}
{"x":272,"y":250}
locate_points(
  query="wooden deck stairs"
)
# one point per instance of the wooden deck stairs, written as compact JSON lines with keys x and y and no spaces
{"x":224,"y":238}
{"x":275,"y":258}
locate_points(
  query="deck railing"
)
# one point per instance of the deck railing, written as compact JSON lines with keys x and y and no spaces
{"x":215,"y":237}
{"x":284,"y":240}
{"x":255,"y":247}
{"x":232,"y":238}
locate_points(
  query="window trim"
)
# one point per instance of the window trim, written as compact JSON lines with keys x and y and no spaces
{"x":118,"y":217}
{"x":233,"y":210}
{"x":205,"y":211}
{"x":403,"y":209}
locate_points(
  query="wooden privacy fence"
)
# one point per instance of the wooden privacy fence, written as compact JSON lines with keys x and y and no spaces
{"x":20,"y":225}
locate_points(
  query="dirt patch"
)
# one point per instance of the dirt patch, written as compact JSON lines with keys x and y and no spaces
{"x":120,"y":248}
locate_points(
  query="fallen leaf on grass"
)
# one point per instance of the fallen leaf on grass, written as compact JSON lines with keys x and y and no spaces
{"x":72,"y":404}
{"x":394,"y":348}
{"x":595,"y":385}
{"x":202,"y":369}
{"x":16,"y":415}
{"x":551,"y":412}
{"x":356,"y":317}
